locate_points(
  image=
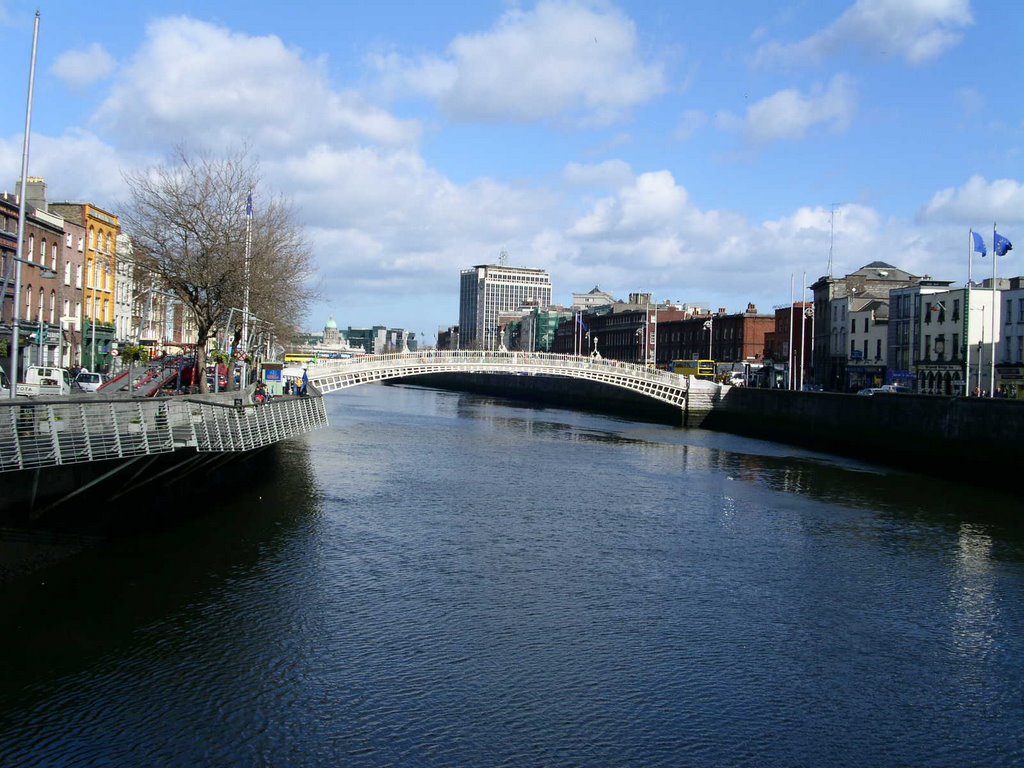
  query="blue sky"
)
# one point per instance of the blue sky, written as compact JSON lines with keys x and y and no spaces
{"x":704,"y":152}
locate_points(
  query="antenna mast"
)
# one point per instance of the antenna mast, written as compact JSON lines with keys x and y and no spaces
{"x":503,"y":258}
{"x":832,"y":237}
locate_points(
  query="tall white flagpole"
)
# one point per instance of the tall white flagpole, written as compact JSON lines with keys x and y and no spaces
{"x":803,"y":298}
{"x":789,"y":366}
{"x":15,"y":321}
{"x":967,"y":314}
{"x":995,"y":306}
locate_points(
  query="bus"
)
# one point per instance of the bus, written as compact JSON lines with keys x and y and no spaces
{"x":702,"y":369}
{"x":303,"y":358}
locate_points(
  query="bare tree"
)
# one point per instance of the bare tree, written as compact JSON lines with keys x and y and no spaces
{"x":188,"y":218}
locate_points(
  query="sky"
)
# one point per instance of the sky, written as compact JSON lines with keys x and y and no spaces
{"x":708,"y":153}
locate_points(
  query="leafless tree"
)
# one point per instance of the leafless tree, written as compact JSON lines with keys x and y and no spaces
{"x":188,"y":218}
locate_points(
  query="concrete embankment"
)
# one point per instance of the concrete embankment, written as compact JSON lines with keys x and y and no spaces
{"x":975,"y":440}
{"x":967,"y":439}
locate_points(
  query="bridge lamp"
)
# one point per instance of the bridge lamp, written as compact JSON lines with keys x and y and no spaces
{"x":47,"y":274}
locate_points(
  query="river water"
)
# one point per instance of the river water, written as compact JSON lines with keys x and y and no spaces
{"x":443,"y":579}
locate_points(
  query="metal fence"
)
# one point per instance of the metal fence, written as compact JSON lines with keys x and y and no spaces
{"x":44,"y":431}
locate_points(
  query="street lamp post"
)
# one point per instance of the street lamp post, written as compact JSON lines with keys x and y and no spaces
{"x":15,"y":330}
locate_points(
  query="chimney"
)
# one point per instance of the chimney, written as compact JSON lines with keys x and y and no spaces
{"x":35,"y":194}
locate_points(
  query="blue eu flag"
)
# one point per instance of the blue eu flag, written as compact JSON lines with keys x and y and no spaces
{"x":979,"y":244}
{"x":1000,"y":245}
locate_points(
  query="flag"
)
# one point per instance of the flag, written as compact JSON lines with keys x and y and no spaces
{"x":979,"y":244}
{"x":248,"y":206}
{"x":583,"y":325}
{"x":1000,"y":245}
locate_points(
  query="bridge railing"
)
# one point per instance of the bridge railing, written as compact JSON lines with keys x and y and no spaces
{"x":46,"y":431}
{"x":474,"y":359}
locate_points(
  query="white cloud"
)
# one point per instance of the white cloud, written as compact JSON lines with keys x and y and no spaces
{"x":916,"y":30}
{"x":790,"y":114}
{"x":977,"y":202}
{"x":614,"y":173}
{"x":233,"y":88}
{"x":561,"y":59}
{"x":77,"y":166}
{"x":82,"y":68}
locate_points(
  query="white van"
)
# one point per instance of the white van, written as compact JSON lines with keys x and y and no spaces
{"x":90,"y":382}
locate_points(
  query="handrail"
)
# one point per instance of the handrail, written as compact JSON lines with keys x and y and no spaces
{"x":50,"y":431}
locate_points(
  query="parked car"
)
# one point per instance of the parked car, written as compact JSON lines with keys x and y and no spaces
{"x":736,"y":379}
{"x":89,"y":381}
{"x":885,"y":389}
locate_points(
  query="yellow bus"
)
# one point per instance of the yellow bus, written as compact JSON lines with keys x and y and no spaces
{"x":303,"y":358}
{"x":702,"y":369}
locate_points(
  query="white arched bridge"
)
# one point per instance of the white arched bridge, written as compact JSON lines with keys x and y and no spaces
{"x":41,"y":432}
{"x":684,"y":392}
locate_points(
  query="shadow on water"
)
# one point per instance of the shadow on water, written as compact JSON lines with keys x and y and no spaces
{"x":827,"y":478}
{"x":60,"y":617}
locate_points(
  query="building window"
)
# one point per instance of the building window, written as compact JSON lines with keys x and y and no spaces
{"x":853,"y":325}
{"x":853,"y":347}
{"x":927,"y":347}
{"x":1009,"y":311}
{"x":928,"y":312}
{"x":956,"y":310}
{"x":878,"y":349}
{"x":1020,"y":310}
{"x":954,"y":353}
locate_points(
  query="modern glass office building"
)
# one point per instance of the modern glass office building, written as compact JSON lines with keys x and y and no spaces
{"x":488,"y":290}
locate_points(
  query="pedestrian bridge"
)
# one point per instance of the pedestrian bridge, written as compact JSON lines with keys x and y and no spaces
{"x":127,"y":438}
{"x":37,"y":432}
{"x":681,"y":391}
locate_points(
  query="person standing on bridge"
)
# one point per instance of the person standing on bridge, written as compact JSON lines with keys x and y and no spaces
{"x":305,"y":382}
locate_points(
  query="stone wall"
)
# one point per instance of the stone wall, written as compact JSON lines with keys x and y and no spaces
{"x":974,"y":439}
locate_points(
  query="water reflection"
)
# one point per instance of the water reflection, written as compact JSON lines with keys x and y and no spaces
{"x":60,"y":619}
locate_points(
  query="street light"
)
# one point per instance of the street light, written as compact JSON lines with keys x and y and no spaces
{"x":20,"y":215}
{"x":709,"y":326}
{"x":44,"y":272}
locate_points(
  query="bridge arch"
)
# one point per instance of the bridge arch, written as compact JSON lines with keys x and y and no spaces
{"x":331,"y":375}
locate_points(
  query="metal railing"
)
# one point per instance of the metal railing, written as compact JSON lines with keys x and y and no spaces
{"x":46,"y":431}
{"x":330,"y":375}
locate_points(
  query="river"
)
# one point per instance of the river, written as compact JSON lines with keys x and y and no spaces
{"x":444,"y":579}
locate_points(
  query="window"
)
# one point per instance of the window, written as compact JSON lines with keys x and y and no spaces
{"x":927,"y":347}
{"x":1020,"y":310}
{"x":878,"y":349}
{"x":1009,"y":311}
{"x":928,"y":313}
{"x":865,"y":327}
{"x":67,"y":273}
{"x":853,"y":347}
{"x":865,"y":349}
{"x":853,"y":325}
{"x":31,"y":247}
{"x":954,"y":354}
{"x":956,"y":310}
